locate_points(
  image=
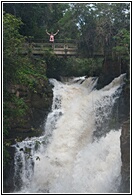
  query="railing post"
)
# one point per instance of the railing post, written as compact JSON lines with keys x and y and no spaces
{"x":65,"y":48}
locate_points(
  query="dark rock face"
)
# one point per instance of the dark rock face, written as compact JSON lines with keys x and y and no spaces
{"x":39,"y":102}
{"x":8,"y":185}
{"x":125,"y":157}
{"x":125,"y":140}
{"x":112,"y":68}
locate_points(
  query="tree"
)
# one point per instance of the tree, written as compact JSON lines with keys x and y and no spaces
{"x":12,"y":43}
{"x":100,"y":22}
{"x":37,"y":17}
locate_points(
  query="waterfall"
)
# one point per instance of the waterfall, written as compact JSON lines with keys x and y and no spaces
{"x":76,"y":153}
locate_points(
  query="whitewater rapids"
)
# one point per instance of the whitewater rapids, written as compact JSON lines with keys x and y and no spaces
{"x":72,"y":160}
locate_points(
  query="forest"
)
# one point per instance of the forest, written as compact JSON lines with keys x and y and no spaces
{"x":93,"y":26}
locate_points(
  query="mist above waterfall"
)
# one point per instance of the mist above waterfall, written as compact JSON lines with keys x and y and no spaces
{"x":68,"y":158}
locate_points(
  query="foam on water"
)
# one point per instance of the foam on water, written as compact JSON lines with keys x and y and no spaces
{"x":71,"y":162}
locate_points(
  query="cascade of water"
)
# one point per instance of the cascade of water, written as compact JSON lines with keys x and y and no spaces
{"x":67,"y":159}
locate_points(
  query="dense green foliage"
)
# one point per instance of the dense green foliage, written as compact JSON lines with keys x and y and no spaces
{"x":17,"y":70}
{"x":122,"y":47}
{"x":11,"y":60}
{"x":57,"y":67}
{"x":37,"y":17}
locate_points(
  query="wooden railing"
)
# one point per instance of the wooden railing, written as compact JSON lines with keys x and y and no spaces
{"x":58,"y":48}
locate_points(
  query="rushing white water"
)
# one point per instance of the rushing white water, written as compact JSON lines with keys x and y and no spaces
{"x":67,"y":158}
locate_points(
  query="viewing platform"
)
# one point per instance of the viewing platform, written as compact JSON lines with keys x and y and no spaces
{"x":39,"y":47}
{"x":60,"y":48}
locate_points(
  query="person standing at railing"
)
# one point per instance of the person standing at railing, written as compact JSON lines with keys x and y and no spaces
{"x":51,"y":38}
